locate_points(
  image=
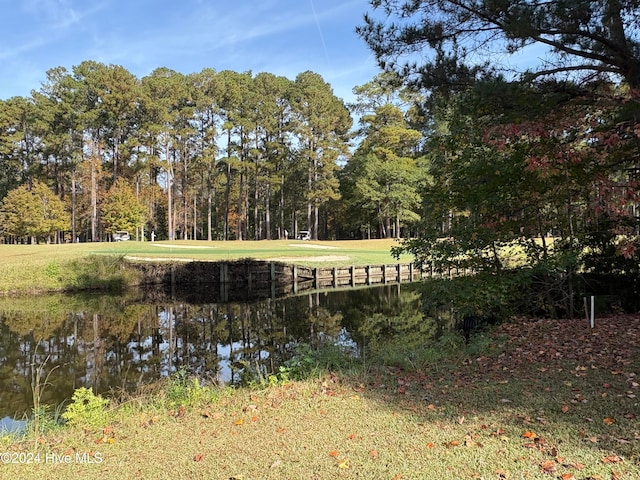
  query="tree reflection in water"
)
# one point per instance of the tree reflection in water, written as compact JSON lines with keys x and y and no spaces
{"x":111,"y":342}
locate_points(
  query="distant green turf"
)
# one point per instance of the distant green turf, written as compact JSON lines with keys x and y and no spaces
{"x":27,"y":268}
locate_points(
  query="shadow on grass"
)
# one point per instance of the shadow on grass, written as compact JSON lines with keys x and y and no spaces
{"x":551,"y":396}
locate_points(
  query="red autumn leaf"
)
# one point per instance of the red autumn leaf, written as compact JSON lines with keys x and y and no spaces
{"x":565,"y":408}
{"x":530,"y":435}
{"x":198,"y":457}
{"x":373,"y":454}
{"x":567,"y":476}
{"x":333,"y":453}
{"x":609,"y":420}
{"x":430,"y":445}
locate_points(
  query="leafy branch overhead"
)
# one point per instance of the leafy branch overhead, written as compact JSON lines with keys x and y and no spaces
{"x":460,"y":39}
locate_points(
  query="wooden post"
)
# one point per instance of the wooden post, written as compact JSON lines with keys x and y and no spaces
{"x":224,"y":279}
{"x":384,"y":273}
{"x":411,"y":272}
{"x":352,"y":277}
{"x":334,"y":274}
{"x":315,"y":278}
{"x":294,"y":275}
{"x":273,"y":279}
{"x":399,"y":273}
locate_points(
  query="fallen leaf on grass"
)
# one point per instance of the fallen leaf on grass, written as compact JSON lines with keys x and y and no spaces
{"x":373,"y":454}
{"x":430,"y":445}
{"x":453,"y":443}
{"x":609,"y":420}
{"x":344,"y":464}
{"x":333,"y":453}
{"x":198,"y":457}
{"x":239,"y":421}
{"x":530,"y":435}
{"x":565,"y":408}
{"x":549,"y":466}
{"x":612,"y":459}
{"x":567,"y":476}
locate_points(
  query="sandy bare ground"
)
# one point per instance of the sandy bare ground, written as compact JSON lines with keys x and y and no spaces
{"x":310,"y":245}
{"x":319,"y":258}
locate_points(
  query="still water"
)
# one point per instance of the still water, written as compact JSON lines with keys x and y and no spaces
{"x":119,"y":343}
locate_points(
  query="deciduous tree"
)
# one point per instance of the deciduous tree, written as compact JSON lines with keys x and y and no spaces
{"x":33,"y":212}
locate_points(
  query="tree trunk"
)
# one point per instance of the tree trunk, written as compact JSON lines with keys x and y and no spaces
{"x":170,"y":230}
{"x":281,"y":208}
{"x":267,"y":213}
{"x":94,"y":198}
{"x":227,"y":201}
{"x":209,"y":211}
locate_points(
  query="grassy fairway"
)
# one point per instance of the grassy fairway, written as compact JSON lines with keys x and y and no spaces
{"x":28,"y":268}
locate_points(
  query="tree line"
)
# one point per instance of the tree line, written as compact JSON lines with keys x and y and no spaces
{"x":208,"y":155}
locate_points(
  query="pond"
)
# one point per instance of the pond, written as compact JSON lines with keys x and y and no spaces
{"x":119,"y":343}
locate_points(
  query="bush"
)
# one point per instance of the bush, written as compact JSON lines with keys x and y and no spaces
{"x":182,"y":390}
{"x":86,"y":409}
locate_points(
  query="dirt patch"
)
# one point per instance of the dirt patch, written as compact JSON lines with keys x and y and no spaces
{"x":310,"y":245}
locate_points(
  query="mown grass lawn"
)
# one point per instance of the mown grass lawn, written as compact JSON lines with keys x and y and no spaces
{"x":531,"y":399}
{"x":29,"y":268}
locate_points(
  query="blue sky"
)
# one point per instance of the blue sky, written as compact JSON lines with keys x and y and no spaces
{"x":283,"y":37}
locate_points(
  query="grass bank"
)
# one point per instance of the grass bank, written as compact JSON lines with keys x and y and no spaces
{"x":531,"y":399}
{"x":33,"y":268}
